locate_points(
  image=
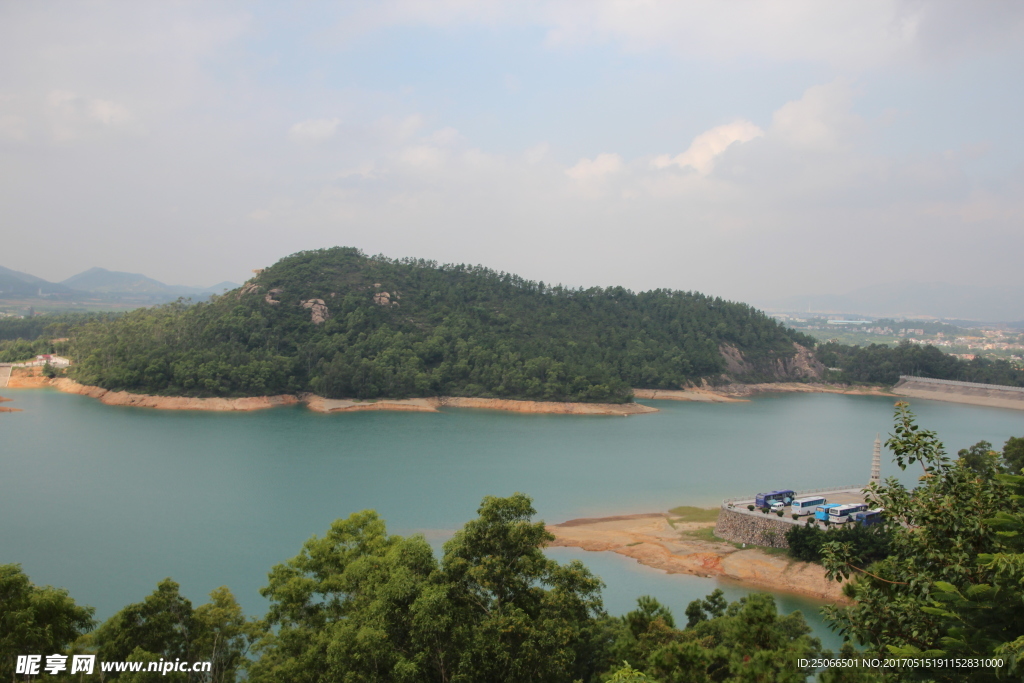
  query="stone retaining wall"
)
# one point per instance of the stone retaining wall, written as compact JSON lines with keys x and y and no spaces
{"x":758,"y":529}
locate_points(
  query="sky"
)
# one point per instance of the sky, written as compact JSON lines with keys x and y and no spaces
{"x":746,"y":149}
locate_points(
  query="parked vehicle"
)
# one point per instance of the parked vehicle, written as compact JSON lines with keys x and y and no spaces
{"x":840,"y":514}
{"x":806,"y":506}
{"x":868,"y":517}
{"x":763,"y":500}
{"x":821,"y":512}
{"x":778,"y":506}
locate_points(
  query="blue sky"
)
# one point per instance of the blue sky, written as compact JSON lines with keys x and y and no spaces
{"x":746,"y":149}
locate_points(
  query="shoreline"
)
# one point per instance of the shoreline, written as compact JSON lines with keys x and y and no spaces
{"x":28,"y":378}
{"x":654,"y":541}
{"x":323,"y":405}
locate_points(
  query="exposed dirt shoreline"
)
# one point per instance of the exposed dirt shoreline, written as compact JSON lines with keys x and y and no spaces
{"x":320,"y":404}
{"x":25,"y":378}
{"x":651,"y":540}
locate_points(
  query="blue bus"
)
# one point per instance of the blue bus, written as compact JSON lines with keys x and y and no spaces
{"x":764,"y":500}
{"x":821,"y":512}
{"x":868,"y":517}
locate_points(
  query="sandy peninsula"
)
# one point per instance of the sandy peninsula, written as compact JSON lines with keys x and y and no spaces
{"x":673,"y":546}
{"x":26,"y":378}
{"x":5,"y":409}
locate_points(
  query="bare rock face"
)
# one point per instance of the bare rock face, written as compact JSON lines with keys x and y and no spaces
{"x":386,"y":298}
{"x":271,"y":297}
{"x":318,"y":310}
{"x":801,"y":366}
{"x":248,"y":288}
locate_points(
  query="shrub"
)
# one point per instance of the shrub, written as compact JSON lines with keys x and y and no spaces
{"x":869,"y":544}
{"x":795,"y":516}
{"x":750,"y":507}
{"x":779,"y":513}
{"x":764,"y":511}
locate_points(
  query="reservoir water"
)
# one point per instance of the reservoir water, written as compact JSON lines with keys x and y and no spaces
{"x":106,"y":501}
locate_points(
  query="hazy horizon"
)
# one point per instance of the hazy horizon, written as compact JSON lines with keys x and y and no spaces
{"x":754,"y":152}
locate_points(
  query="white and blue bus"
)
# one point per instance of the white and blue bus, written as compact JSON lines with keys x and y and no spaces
{"x":841,"y":513}
{"x":805,"y":506}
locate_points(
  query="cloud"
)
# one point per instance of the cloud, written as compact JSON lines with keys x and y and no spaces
{"x":821,"y":119}
{"x":72,"y":116}
{"x":601,"y":166}
{"x":705,"y":147}
{"x":852,"y":34}
{"x":313,"y":131}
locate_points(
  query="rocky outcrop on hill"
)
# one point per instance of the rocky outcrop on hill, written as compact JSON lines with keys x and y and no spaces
{"x":800,"y":366}
{"x":318,"y":310}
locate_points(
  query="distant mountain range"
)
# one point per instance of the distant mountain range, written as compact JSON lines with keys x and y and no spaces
{"x":101,"y":284}
{"x":914,"y":300}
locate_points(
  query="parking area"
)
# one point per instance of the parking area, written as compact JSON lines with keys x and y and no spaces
{"x":842,"y":496}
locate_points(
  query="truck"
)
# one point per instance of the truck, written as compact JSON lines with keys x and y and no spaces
{"x":764,"y":500}
{"x":840,"y":514}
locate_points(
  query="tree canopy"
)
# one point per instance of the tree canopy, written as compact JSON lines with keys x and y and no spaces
{"x":951,"y":583}
{"x":881,"y":364}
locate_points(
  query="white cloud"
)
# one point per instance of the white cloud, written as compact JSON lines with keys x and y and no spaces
{"x":536,"y":154}
{"x":821,"y":119}
{"x":109,"y":113}
{"x":705,"y":147}
{"x":72,"y":116}
{"x":423,"y":156}
{"x":601,"y":166}
{"x":856,"y":34}
{"x":313,"y":131}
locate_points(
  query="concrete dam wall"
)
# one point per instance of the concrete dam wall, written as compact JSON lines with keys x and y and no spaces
{"x":992,"y":395}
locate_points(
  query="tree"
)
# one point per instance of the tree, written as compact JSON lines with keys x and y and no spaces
{"x":746,"y":640}
{"x":951,"y":584}
{"x":165,"y":626}
{"x":35,"y":620}
{"x":362,"y":605}
{"x":1013,"y":454}
{"x":980,"y":457}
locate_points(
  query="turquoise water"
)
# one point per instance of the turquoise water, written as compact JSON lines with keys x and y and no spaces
{"x":106,"y":501}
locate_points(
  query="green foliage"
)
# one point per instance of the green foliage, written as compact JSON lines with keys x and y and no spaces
{"x":627,"y":674}
{"x":1013,"y":454}
{"x":362,"y":605}
{"x":442,"y":330}
{"x":165,"y":625}
{"x":981,"y":458}
{"x":868,"y":544}
{"x":34,"y":619}
{"x":711,"y":607}
{"x":20,"y":350}
{"x":881,"y":364}
{"x":743,"y":641}
{"x":952,"y":582}
{"x":48,"y":325}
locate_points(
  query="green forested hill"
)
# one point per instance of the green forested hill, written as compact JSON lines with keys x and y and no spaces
{"x":341,"y":324}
